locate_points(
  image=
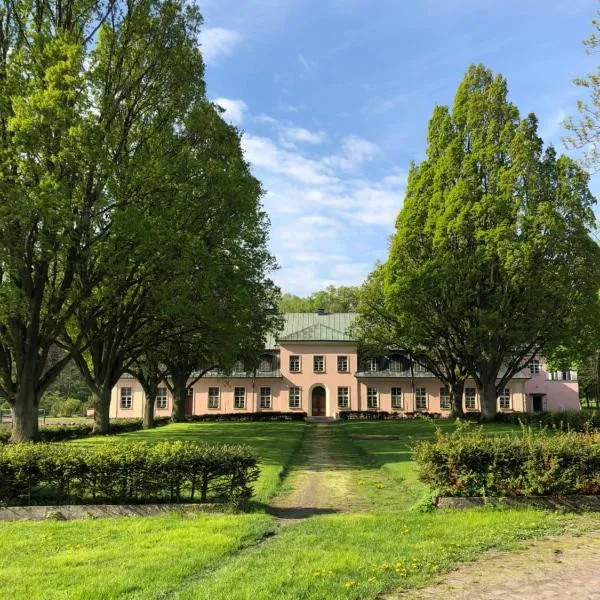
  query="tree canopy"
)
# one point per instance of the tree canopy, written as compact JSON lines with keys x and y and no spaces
{"x":119,"y":181}
{"x":492,"y":253}
{"x":332,"y":299}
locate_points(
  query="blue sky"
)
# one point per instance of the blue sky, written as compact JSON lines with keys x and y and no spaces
{"x":333,"y":98}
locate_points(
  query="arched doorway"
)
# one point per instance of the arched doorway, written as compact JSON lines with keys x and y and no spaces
{"x":318,"y":401}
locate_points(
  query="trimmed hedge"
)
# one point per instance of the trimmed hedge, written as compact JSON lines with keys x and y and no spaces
{"x":569,"y":420}
{"x":382,"y":415}
{"x":248,"y":416}
{"x":542,"y":463}
{"x":61,"y":433}
{"x":125,"y":473}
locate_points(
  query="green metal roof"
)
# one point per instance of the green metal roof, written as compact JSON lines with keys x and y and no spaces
{"x":313,"y":327}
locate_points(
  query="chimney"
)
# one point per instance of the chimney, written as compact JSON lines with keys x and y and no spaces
{"x":321,"y":312}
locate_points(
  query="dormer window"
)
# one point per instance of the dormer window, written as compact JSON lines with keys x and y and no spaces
{"x":371,"y":365}
{"x":238,"y":367}
{"x":266,"y":364}
{"x":534,"y":367}
{"x":396,"y":364}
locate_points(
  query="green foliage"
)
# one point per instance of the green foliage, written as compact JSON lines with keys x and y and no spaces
{"x":249,"y":417}
{"x":492,"y":260}
{"x":57,"y":406}
{"x":128,"y":211}
{"x":332,"y":299}
{"x":584,"y":132}
{"x":123,"y":473}
{"x":467,"y":463}
{"x":569,"y":420}
{"x":60,"y":433}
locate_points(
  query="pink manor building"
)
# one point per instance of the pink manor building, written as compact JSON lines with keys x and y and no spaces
{"x":313,"y":367}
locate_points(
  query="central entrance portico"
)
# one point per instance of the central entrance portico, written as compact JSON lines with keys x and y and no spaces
{"x":318,"y":401}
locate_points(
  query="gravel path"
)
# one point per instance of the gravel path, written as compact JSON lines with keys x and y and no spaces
{"x":549,"y":569}
{"x":322,"y":483}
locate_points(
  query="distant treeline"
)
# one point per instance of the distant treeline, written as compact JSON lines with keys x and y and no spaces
{"x":332,"y":299}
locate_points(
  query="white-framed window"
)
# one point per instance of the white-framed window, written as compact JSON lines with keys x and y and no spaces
{"x":294,"y":363}
{"x":294,"y":397}
{"x":342,"y":364}
{"x":396,"y":397}
{"x":371,"y":365}
{"x":265,"y":397}
{"x":238,"y":366}
{"x":372,"y":397}
{"x":162,"y":398}
{"x":417,"y":368}
{"x":421,"y":398}
{"x":318,"y":363}
{"x":534,"y":366}
{"x":343,"y":397}
{"x":126,"y":398}
{"x":445,"y":398}
{"x":562,"y":376}
{"x":239,"y":397}
{"x":396,"y":364}
{"x":504,"y":399}
{"x":214,"y":397}
{"x":470,"y":398}
{"x":266,"y":364}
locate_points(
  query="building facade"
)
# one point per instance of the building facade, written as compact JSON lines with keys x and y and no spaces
{"x":313,"y":367}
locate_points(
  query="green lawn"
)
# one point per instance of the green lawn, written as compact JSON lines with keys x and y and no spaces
{"x":118,"y":558}
{"x":390,"y":544}
{"x":273,"y":443}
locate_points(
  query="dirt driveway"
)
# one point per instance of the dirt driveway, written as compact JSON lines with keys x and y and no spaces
{"x":549,"y":569}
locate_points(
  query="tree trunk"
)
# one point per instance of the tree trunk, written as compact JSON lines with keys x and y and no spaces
{"x":597,"y":377}
{"x":25,"y":416}
{"x":148,"y":422}
{"x":489,"y":402}
{"x":102,"y":410}
{"x":179,"y":397}
{"x":456,"y":400}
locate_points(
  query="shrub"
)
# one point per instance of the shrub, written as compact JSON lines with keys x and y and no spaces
{"x":248,"y":416}
{"x":542,"y":463}
{"x":125,"y":473}
{"x":366,"y":415}
{"x":60,"y":433}
{"x":382,"y":415}
{"x":569,"y":420}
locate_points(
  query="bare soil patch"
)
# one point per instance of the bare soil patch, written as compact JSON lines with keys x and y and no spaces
{"x":321,"y":484}
{"x":549,"y":569}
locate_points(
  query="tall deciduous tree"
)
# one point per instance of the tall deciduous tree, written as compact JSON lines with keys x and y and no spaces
{"x":53,"y":182}
{"x":493,"y":238}
{"x":584,"y":131}
{"x":116,"y":178}
{"x":382,"y":328}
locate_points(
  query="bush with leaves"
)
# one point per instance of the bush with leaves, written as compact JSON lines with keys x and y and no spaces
{"x":60,"y":433}
{"x":569,"y":420}
{"x":125,"y":473}
{"x":248,"y":416}
{"x":531,"y":463}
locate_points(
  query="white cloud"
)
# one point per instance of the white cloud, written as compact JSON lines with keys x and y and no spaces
{"x":217,"y":42}
{"x":234,"y":109}
{"x":327,"y":209}
{"x":355,"y":151}
{"x":309,"y":65}
{"x":299,"y":134}
{"x":264,"y":153}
